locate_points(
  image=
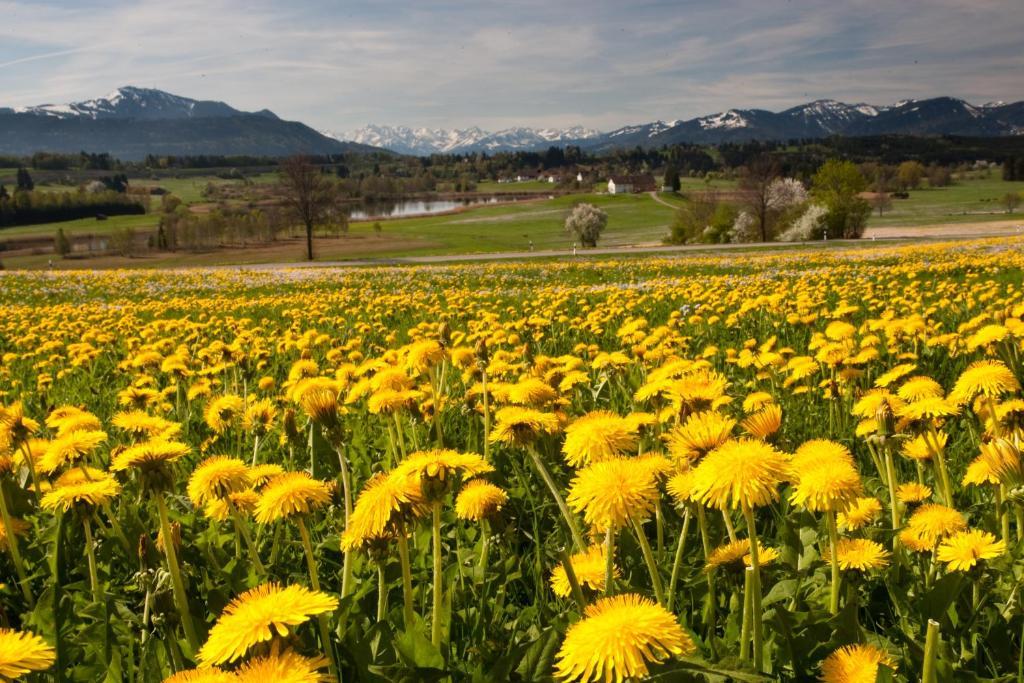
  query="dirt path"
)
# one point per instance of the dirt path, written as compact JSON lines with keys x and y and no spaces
{"x":655,"y":197}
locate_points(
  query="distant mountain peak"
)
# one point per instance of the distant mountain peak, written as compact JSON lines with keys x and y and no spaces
{"x":426,"y":141}
{"x":132,"y":102}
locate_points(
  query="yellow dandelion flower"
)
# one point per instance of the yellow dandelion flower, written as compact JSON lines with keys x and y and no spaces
{"x":222,"y":412}
{"x":932,"y":522}
{"x":888,"y":378}
{"x":598,"y":436}
{"x":928,"y":409}
{"x":740,"y":473}
{"x":423,"y":355}
{"x":389,"y":401}
{"x":15,"y":427}
{"x":140,"y":424}
{"x":757,"y":400}
{"x":700,"y":433}
{"x":19,"y":526}
{"x":617,"y":638}
{"x":259,"y":475}
{"x":990,"y":378}
{"x":283,"y":667}
{"x":258,"y":615}
{"x":149,"y":455}
{"x":854,"y":664}
{"x":291,"y":493}
{"x":860,"y":513}
{"x":479,"y":499}
{"x":522,"y":426}
{"x":917,"y":388}
{"x":244,"y":502}
{"x":920,"y":447}
{"x":589,"y":567}
{"x":22,"y":652}
{"x":442,"y":464}
{"x":913,"y":493}
{"x":210,"y":675}
{"x":737,"y":553}
{"x":680,"y":487}
{"x":825,"y":478}
{"x":85,"y":493}
{"x":764,"y":423}
{"x":611,"y":492}
{"x":963,"y":550}
{"x":384,"y":500}
{"x":859,"y":554}
{"x":216,"y":477}
{"x":70,"y":448}
{"x":531,"y":391}
{"x":259,"y":416}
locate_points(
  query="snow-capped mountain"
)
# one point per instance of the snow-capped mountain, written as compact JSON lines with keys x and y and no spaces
{"x":130,"y":123}
{"x":817,"y":119}
{"x":130,"y":102}
{"x":426,"y":141}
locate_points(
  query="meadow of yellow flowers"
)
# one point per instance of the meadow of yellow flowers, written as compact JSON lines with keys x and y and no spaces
{"x":797,"y":465}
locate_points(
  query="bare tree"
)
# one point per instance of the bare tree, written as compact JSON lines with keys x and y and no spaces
{"x":755,"y":186}
{"x":309,"y":194}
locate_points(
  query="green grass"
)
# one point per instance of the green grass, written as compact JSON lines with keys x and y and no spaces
{"x":83,"y":226}
{"x":631,"y":219}
{"x":492,"y":187}
{"x":968,"y":201}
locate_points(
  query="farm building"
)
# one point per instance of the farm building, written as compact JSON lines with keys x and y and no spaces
{"x":625,"y":184}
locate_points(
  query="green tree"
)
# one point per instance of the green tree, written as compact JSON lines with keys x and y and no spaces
{"x":837,"y":186}
{"x":1011,"y":200}
{"x":61,"y":243}
{"x":672,"y":178}
{"x":909,"y":175}
{"x":25,"y":182}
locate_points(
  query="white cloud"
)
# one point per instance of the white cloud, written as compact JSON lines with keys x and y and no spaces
{"x":495,"y":64}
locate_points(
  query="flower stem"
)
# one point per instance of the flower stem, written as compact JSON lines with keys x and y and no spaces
{"x":609,"y":561}
{"x":574,"y":530}
{"x":485,"y":548}
{"x":833,"y":542}
{"x":574,"y":584}
{"x":487,"y":414}
{"x":243,"y":528}
{"x":931,"y":647}
{"x":346,"y":486}
{"x":177,"y":583}
{"x":652,"y":566}
{"x":382,"y":593}
{"x":90,"y":554}
{"x":702,"y":523}
{"x":748,"y":612}
{"x":314,"y":581}
{"x":12,"y":545}
{"x":755,"y":585}
{"x":435,"y":620}
{"x":403,"y":556}
{"x":677,"y":563}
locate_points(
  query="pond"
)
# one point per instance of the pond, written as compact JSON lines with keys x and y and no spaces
{"x":415,"y":207}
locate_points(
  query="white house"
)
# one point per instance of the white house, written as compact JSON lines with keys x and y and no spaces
{"x":619,"y":185}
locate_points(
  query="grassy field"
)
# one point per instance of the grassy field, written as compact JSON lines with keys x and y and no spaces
{"x":967,"y":201}
{"x":748,"y":467}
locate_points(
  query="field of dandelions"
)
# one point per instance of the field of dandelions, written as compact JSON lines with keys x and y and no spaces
{"x":792,"y":466}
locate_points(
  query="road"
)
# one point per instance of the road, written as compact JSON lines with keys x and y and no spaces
{"x":624,"y":251}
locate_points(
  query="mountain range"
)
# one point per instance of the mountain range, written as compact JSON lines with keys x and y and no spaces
{"x":426,"y":141}
{"x":818,"y":119}
{"x":131,"y":122}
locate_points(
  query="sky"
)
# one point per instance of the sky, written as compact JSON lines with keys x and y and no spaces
{"x":339,"y":65}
